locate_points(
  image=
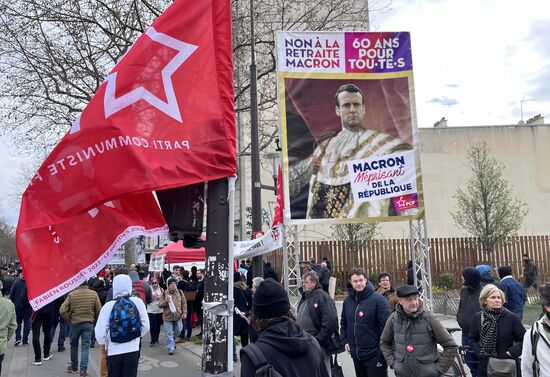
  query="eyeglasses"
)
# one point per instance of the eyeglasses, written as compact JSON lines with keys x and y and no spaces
{"x":154,"y":282}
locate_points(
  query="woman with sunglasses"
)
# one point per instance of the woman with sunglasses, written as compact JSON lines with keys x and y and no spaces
{"x":154,"y":311}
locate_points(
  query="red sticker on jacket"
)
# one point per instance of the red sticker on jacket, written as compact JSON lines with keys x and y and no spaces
{"x":410,"y":348}
{"x":315,"y":306}
{"x":361,"y":314}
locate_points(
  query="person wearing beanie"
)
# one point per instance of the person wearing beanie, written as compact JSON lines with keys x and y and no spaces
{"x":486,"y":276}
{"x":513,"y":290}
{"x":467,"y":307}
{"x":175,"y":307}
{"x":536,"y":342}
{"x":140,"y":287}
{"x":364,"y":314}
{"x":290,"y":350}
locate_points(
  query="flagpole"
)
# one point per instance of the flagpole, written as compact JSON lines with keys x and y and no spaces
{"x":257,"y":267}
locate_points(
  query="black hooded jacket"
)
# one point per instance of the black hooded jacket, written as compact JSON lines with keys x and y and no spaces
{"x":469,"y":299}
{"x":290,"y":350}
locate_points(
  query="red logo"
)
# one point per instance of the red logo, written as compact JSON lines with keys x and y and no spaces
{"x":361,"y":314}
{"x":410,"y":348}
{"x":405,"y":202}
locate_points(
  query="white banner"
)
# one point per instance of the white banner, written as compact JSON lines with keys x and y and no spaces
{"x":157,"y":263}
{"x":270,"y":241}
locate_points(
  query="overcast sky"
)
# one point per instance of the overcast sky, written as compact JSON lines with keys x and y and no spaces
{"x":474,"y":63}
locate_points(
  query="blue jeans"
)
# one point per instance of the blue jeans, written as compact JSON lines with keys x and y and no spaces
{"x":23,"y":315}
{"x":471,"y":359}
{"x":63,"y":329}
{"x":81,"y":330}
{"x":171,"y":328}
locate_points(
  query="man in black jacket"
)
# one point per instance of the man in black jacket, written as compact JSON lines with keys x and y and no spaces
{"x":324,"y":276}
{"x":317,"y":313}
{"x":467,"y":307}
{"x":23,"y":310}
{"x":364,"y":316}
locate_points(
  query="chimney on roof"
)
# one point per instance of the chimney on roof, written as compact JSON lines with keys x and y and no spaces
{"x":537,"y":119}
{"x":441,"y":123}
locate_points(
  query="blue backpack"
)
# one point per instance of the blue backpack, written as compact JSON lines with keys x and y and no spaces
{"x":124,"y":321}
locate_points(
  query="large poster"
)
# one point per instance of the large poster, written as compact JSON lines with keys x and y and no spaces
{"x":348,"y":126}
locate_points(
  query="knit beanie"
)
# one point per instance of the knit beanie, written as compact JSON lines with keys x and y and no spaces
{"x":472,"y":277}
{"x":270,"y":300}
{"x":484,"y":269}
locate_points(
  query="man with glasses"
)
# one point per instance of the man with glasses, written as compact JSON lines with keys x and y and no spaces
{"x":386,"y":290}
{"x":317,"y":313}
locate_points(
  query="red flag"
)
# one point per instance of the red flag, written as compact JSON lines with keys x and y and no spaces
{"x":278,"y":216}
{"x":163,"y":118}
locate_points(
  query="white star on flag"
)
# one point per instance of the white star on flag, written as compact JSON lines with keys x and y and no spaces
{"x":170,"y":108}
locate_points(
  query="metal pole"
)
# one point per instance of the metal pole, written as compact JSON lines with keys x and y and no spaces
{"x":257,"y":265}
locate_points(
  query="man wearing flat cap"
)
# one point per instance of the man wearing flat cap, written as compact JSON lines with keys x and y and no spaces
{"x":284,"y":345}
{"x":410,"y":337}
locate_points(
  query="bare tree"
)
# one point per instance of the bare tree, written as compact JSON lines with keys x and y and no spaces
{"x":354,"y":235}
{"x":54,"y":55}
{"x":7,"y":242}
{"x":486,"y":208}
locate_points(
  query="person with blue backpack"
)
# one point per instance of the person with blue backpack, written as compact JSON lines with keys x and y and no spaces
{"x":121,"y":324}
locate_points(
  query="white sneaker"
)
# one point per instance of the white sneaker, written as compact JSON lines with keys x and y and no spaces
{"x":47,"y":357}
{"x":37,"y":363}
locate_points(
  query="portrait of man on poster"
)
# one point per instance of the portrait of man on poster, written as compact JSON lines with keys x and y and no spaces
{"x":323,"y":176}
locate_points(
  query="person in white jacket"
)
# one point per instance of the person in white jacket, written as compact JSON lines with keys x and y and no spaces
{"x":540,"y":333}
{"x":122,"y":358}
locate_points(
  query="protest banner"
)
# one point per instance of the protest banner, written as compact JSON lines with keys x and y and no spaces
{"x":348,"y":126}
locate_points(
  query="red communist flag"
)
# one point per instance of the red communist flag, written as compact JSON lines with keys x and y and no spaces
{"x":163,"y":118}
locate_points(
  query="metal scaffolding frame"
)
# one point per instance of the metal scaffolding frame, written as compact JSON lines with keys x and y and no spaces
{"x":291,"y":263}
{"x":420,"y":253}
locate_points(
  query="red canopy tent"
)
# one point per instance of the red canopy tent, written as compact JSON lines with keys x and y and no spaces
{"x":177,"y":253}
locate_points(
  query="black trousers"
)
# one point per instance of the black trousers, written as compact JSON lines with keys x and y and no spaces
{"x":123,"y":365}
{"x":44,"y":321}
{"x":364,"y":370}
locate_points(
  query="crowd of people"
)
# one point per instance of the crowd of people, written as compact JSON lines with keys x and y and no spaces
{"x":119,"y":300}
{"x":379,"y":327}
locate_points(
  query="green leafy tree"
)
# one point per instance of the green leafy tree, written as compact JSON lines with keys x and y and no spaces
{"x":354,"y":235}
{"x":487,"y":208}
